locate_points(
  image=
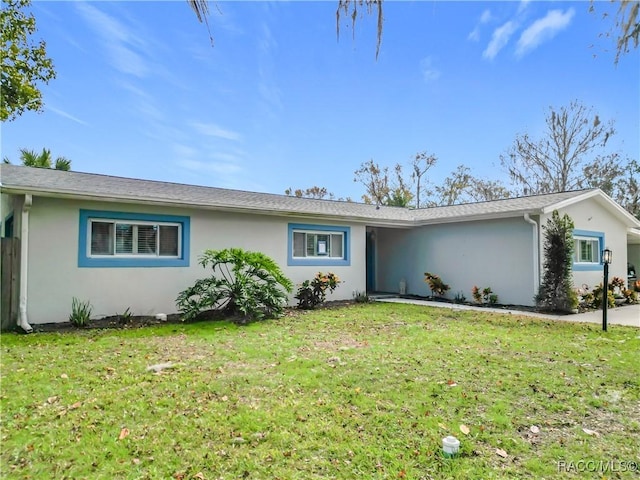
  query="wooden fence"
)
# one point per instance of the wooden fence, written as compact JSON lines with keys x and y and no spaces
{"x":10,"y":286}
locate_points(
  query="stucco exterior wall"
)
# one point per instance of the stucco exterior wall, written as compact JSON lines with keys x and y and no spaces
{"x":590,"y":216}
{"x":492,"y":253}
{"x":55,"y":277}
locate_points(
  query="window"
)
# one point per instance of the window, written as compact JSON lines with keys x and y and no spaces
{"x":318,"y":245}
{"x":8,"y":226}
{"x":586,"y":249}
{"x":113,"y":239}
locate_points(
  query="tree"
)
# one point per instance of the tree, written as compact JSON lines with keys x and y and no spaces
{"x":555,"y":163}
{"x":24,"y":62}
{"x":312,"y":192}
{"x":627,"y":188}
{"x":30,"y":158}
{"x":380,"y":189}
{"x":462,"y":187}
{"x":348,"y":8}
{"x":626,"y":26}
{"x":420,"y":165}
{"x":556,"y":290}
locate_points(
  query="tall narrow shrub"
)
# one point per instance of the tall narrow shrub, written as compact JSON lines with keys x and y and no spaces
{"x":556,"y":290}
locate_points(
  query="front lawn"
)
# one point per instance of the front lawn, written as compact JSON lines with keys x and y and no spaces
{"x":362,"y":391}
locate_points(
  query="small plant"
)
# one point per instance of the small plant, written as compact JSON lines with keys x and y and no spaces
{"x":80,"y":312}
{"x":616,"y":282}
{"x":437,"y":286}
{"x":459,"y":297}
{"x":630,"y":295}
{"x":476,"y":294}
{"x":361,"y":297}
{"x":484,"y":296}
{"x":314,"y":292}
{"x":125,"y":317}
{"x":598,"y":294}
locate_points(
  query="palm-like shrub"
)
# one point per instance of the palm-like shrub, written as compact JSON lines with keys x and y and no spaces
{"x":556,"y":291}
{"x":244,"y":285}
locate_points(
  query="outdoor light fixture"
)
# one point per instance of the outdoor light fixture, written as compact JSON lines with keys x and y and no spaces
{"x":607,"y":257}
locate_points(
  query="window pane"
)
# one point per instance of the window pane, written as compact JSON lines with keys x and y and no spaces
{"x":147,"y":239}
{"x":311,"y":245}
{"x":169,"y":240}
{"x":124,"y":238}
{"x":336,"y":245}
{"x":101,"y":238}
{"x":298,"y":244}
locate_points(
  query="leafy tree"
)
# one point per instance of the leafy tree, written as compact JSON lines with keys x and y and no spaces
{"x":462,"y":187}
{"x":375,"y":181}
{"x":556,"y":290}
{"x":555,"y":162}
{"x":24,"y":62}
{"x":30,"y":158}
{"x":244,"y":285}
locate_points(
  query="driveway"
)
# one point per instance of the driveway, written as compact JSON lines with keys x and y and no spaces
{"x":628,"y":315}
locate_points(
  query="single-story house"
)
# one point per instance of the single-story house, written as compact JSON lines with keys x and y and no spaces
{"x":126,"y":243}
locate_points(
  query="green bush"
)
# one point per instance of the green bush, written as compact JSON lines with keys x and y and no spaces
{"x":80,"y":312}
{"x":244,"y":285}
{"x":556,"y":290}
{"x":314,"y":292}
{"x":597,"y":297}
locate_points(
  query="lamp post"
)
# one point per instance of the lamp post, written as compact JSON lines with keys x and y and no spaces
{"x":606,"y":260}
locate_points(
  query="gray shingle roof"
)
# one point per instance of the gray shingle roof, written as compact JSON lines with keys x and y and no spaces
{"x":46,"y":182}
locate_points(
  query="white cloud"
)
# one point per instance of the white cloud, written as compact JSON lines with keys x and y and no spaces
{"x":499,"y":39}
{"x":121,"y":43}
{"x":429,"y":72}
{"x":484,"y":18}
{"x":523,"y":5}
{"x":543,"y":29}
{"x":213,"y":130}
{"x":64,"y":114}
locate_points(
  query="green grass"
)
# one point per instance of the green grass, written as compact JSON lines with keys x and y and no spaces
{"x":364,"y":391}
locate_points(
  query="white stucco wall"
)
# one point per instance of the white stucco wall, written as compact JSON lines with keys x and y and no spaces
{"x":591,"y":216}
{"x":492,"y":253}
{"x":55,"y":278}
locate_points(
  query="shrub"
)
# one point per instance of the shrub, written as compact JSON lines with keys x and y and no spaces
{"x":597,"y":297}
{"x":484,"y":295}
{"x":312,"y":293}
{"x":476,"y":294}
{"x":630,"y":295}
{"x":556,"y":290}
{"x":361,"y":297}
{"x":124,"y":317}
{"x":437,"y":286}
{"x":244,"y":285}
{"x":459,"y":297}
{"x":80,"y":312}
{"x":617,"y":282}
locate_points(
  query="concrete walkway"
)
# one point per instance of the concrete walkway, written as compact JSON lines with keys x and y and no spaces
{"x":628,"y":315}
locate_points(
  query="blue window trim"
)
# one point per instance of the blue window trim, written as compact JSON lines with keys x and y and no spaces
{"x":87,"y":261}
{"x":319,"y":261}
{"x":587,"y":267}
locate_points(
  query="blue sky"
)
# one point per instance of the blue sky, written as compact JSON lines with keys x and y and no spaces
{"x":279,"y":101}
